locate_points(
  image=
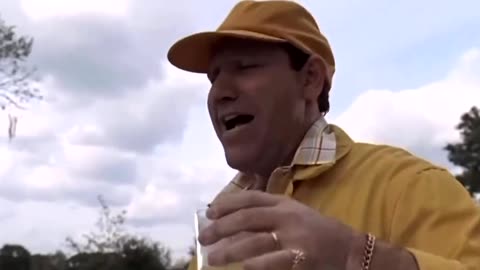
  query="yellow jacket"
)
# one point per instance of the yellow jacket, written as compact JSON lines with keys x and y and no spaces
{"x":398,"y":197}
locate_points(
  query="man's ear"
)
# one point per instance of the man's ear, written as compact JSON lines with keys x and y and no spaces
{"x":314,"y":73}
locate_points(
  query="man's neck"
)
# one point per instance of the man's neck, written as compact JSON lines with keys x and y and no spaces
{"x":261,"y":180}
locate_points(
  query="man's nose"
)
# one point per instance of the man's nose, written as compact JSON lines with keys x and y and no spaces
{"x":224,"y":89}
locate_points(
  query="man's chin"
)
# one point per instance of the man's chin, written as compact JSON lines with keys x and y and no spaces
{"x":241,"y":161}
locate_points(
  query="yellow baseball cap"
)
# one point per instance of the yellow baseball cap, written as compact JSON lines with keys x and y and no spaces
{"x":269,"y":21}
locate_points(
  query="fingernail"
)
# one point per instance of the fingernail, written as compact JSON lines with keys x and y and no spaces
{"x":210,"y":213}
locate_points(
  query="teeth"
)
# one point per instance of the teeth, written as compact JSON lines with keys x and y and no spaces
{"x":229,"y":117}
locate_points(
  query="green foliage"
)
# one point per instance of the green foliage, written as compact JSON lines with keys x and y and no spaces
{"x":16,"y":77}
{"x":109,"y":247}
{"x":110,"y":235}
{"x":466,"y":153}
{"x":94,"y":261}
{"x":112,"y":247}
{"x":55,"y":261}
{"x":14,"y":257}
{"x":142,"y":254}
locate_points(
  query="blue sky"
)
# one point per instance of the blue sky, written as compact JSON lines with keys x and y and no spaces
{"x":397,"y":45}
{"x":121,"y":121}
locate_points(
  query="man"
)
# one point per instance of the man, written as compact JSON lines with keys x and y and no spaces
{"x":307,"y":196}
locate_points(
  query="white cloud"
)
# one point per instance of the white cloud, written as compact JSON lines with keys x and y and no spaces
{"x":121,"y":122}
{"x":47,"y":9}
{"x":151,"y":201}
{"x":421,"y":119}
{"x":43,"y":226}
{"x":49,"y":166}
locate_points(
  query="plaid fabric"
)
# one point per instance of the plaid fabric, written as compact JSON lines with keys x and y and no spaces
{"x":317,"y":147}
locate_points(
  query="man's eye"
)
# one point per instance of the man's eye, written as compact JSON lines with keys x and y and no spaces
{"x":248,"y":66}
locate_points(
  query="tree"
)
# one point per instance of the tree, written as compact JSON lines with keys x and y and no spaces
{"x":46,"y":262}
{"x":110,"y":236}
{"x":111,"y":246}
{"x":94,"y":261}
{"x":16,"y":76}
{"x":466,"y":153}
{"x":15,"y":257}
{"x":140,"y":253}
{"x":58,"y":260}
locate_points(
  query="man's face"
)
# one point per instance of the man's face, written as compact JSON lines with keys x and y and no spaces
{"x":255,"y":103}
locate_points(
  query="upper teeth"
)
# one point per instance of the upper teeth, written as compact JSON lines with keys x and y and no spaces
{"x":229,"y":117}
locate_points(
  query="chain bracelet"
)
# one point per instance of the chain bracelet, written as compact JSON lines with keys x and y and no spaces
{"x":368,"y":251}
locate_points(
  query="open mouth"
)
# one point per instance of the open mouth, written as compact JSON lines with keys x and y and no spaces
{"x":234,"y":121}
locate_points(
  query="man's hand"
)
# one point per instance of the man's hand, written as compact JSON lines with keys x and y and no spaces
{"x":250,"y":217}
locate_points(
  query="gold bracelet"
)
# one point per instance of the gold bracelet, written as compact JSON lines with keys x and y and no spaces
{"x":368,"y":252}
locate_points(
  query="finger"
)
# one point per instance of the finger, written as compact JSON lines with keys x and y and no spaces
{"x":244,"y":220}
{"x":251,"y":246}
{"x":277,"y":260}
{"x":231,"y":202}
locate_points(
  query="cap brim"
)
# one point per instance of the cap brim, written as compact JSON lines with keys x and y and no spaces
{"x":194,"y":53}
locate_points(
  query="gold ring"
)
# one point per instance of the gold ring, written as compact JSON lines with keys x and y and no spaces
{"x":299,"y":257}
{"x":275,"y":239}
